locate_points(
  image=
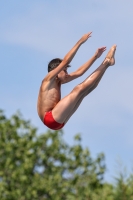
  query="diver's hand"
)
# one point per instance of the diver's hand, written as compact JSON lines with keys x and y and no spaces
{"x":85,"y":37}
{"x":100,"y":51}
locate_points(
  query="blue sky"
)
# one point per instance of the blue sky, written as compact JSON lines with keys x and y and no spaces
{"x":34,"y":32}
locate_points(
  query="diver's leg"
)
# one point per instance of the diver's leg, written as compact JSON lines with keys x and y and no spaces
{"x":82,"y":97}
{"x":67,"y":106}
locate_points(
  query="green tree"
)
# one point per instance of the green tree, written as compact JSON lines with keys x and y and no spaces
{"x":34,"y":166}
{"x":123,"y":187}
{"x":44,"y":167}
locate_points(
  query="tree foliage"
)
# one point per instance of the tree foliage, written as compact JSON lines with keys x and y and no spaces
{"x":43,"y":166}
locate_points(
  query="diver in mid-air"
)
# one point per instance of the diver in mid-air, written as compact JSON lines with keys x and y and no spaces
{"x":54,"y":111}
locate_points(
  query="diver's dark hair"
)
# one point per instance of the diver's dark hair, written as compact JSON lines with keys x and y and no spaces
{"x":54,"y":63}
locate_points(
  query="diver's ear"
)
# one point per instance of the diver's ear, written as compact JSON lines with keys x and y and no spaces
{"x":57,"y":77}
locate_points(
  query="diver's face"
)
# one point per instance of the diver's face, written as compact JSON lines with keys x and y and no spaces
{"x":63,"y":75}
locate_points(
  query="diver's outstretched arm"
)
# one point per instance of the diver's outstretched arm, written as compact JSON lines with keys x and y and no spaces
{"x":68,"y":57}
{"x":81,"y":70}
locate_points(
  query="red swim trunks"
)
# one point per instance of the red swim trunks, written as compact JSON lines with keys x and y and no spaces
{"x":50,"y":122}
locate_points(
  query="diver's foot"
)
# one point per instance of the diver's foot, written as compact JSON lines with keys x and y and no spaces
{"x":110,"y":58}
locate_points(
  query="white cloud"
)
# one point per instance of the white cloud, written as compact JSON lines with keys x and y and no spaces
{"x":45,"y":29}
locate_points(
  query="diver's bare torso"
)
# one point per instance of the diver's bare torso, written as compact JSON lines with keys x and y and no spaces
{"x":49,"y":96}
